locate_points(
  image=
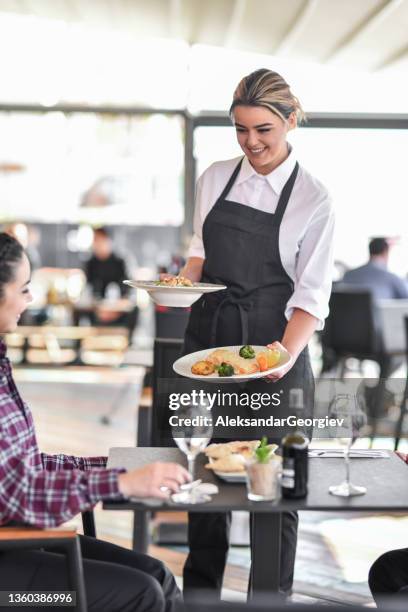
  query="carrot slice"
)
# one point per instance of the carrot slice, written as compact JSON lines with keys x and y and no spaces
{"x":262,"y":360}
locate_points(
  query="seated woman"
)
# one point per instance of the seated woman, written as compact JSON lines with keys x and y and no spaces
{"x":47,"y":490}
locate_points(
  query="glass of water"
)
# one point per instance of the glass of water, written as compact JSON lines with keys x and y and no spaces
{"x":351,"y":419}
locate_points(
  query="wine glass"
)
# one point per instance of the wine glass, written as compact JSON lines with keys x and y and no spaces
{"x":192,"y":433}
{"x":351,"y":420}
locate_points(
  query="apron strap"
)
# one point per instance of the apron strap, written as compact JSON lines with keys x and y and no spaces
{"x":284,"y":197}
{"x":231,"y":181}
{"x":243,"y":313}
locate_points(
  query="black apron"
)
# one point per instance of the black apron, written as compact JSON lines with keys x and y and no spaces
{"x":242,"y":252}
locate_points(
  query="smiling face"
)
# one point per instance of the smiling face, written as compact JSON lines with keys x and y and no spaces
{"x":262,"y":136}
{"x":16,"y":296}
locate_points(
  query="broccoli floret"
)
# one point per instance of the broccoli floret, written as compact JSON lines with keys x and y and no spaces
{"x":247,"y":352}
{"x":225,"y":369}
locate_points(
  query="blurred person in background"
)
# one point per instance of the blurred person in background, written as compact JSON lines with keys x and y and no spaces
{"x":105,"y":272}
{"x":104,"y":267}
{"x":374,"y":275}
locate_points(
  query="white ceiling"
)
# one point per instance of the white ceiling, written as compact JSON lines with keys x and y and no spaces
{"x":363,"y":34}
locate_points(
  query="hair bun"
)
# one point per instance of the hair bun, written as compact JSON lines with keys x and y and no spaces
{"x":267,"y":88}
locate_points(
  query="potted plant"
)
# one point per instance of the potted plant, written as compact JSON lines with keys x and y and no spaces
{"x":263,"y":472}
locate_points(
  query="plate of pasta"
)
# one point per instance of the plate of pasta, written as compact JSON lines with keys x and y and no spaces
{"x":176,"y":291}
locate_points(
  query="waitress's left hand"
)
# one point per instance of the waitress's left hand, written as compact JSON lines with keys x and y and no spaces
{"x":278,"y":375}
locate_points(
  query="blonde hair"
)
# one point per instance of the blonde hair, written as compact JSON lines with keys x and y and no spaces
{"x":267,"y":88}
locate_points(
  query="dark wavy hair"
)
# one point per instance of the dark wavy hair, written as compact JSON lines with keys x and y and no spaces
{"x":11,"y":253}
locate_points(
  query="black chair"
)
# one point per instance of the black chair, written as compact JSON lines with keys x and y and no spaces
{"x":404,"y":402}
{"x":88,"y":523}
{"x":28,"y":538}
{"x":353,"y":330}
{"x":153,"y":428}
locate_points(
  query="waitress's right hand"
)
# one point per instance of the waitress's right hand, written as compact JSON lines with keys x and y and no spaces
{"x":275,"y":376}
{"x":193,"y":270}
{"x":150,"y":480}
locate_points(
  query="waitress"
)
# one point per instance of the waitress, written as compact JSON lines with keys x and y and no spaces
{"x":263,"y":227}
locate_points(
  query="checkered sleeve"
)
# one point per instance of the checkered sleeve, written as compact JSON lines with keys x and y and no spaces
{"x":48,"y":498}
{"x":402,"y":456}
{"x":70,"y":462}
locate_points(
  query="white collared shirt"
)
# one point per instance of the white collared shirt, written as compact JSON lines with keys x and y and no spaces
{"x":306,"y":232}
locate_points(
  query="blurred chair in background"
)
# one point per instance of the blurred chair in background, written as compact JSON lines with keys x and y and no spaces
{"x":404,"y":401}
{"x":353,"y":330}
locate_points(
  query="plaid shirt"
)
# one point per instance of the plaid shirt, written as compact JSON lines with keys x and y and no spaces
{"x":36,"y":488}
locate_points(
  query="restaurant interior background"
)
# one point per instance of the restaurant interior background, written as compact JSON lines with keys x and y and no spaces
{"x":109,"y":111}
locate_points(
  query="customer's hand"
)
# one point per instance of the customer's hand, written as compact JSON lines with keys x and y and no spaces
{"x":148,"y":480}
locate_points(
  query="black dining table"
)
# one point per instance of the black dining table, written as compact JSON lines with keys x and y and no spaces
{"x":386,"y":480}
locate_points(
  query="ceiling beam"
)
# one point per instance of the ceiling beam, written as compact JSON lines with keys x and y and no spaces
{"x":393,"y":58}
{"x":297,"y":27}
{"x":175,"y":12}
{"x":369,"y":24}
{"x":233,"y":29}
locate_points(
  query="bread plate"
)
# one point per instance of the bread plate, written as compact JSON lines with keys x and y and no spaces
{"x":231,"y":477}
{"x":175,"y":297}
{"x":184,"y":364}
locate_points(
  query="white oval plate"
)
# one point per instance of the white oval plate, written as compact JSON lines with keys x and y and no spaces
{"x":178,"y":297}
{"x":231,"y":477}
{"x":183,"y":366}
